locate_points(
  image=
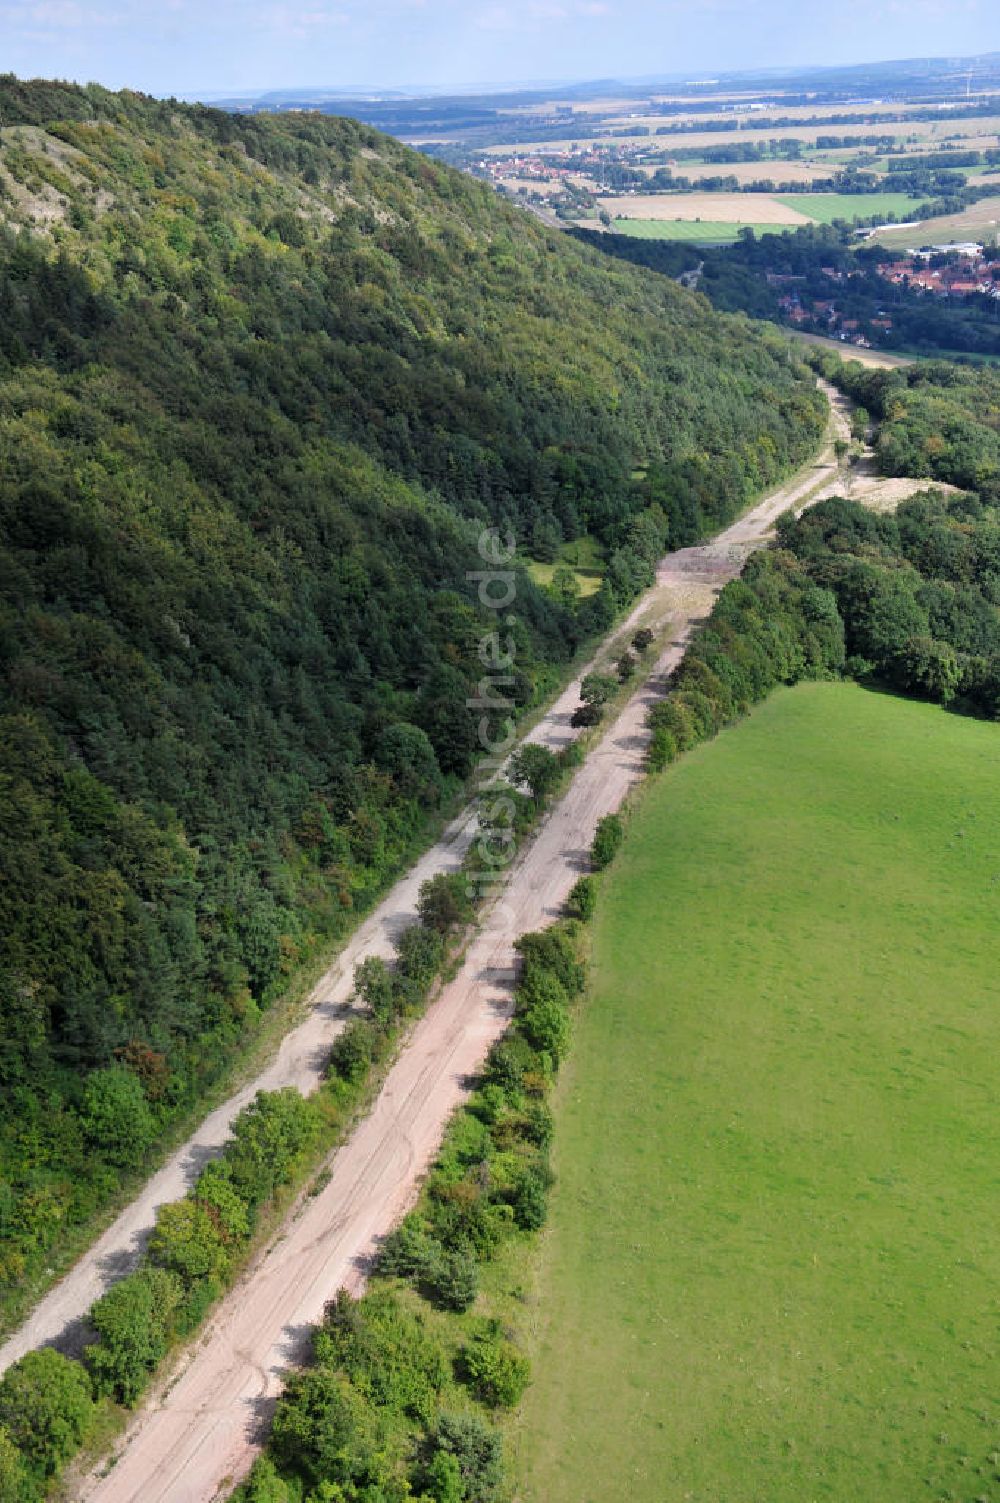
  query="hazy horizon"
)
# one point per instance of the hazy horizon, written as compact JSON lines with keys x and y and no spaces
{"x":439,"y":45}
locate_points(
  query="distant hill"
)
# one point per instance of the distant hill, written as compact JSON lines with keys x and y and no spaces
{"x":263,"y":382}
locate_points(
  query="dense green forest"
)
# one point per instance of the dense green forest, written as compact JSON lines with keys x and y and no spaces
{"x":933,"y":418}
{"x":263,"y":381}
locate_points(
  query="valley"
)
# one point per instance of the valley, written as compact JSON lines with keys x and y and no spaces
{"x":194,"y":1429}
{"x":634,"y":1138}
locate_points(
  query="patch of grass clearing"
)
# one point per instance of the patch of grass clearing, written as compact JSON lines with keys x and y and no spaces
{"x":583,"y":555}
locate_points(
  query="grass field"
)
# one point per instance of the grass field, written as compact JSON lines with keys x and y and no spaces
{"x":709,"y":232}
{"x":824,"y":208}
{"x":771,"y":1266}
{"x":876,"y":359}
{"x":718,"y":217}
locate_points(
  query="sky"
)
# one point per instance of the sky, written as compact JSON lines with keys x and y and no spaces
{"x":203,"y":48}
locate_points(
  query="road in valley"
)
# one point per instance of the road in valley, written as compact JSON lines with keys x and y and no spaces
{"x":196,"y":1436}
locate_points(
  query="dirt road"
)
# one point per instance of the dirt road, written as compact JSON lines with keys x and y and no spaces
{"x":194,"y":1440}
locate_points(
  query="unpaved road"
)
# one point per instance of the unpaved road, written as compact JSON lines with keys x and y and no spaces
{"x":197,"y":1436}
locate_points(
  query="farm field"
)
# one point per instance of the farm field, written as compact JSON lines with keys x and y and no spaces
{"x":779,"y":111}
{"x":706,"y":232}
{"x":977,"y":133}
{"x":725,"y":208}
{"x":980,"y":221}
{"x":824,"y":208}
{"x":775,"y":168}
{"x":726,"y":213}
{"x":771,"y":1263}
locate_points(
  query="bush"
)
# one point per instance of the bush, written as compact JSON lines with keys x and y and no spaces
{"x":14,"y":1484}
{"x":409,"y":1252}
{"x":353,"y":1050}
{"x":554,"y":950}
{"x":264,"y":1485}
{"x":496,"y":1371}
{"x":443,"y":902}
{"x":186,"y":1240}
{"x":662,"y":750}
{"x":268,"y":1136}
{"x":477,"y":1448}
{"x":536,"y":768}
{"x":453,"y":1280}
{"x":421,"y":951}
{"x":374,"y":990}
{"x":134,"y":1324}
{"x":582,"y":899}
{"x":597,"y":688}
{"x":546,"y":1026}
{"x":508,"y":1062}
{"x":530,"y":1200}
{"x":325,"y":1432}
{"x":46,"y":1409}
{"x":442,"y":1479}
{"x":607,"y":840}
{"x":228,"y":1211}
{"x":116,"y":1117}
{"x":539,"y":1125}
{"x":586,"y":715}
{"x":388,"y":1351}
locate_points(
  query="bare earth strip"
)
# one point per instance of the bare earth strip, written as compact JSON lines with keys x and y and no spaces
{"x":196,"y":1437}
{"x":877,"y":359}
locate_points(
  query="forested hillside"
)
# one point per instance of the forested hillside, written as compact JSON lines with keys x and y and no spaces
{"x":262,"y":383}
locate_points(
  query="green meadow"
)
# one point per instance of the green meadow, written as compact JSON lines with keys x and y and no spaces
{"x":710,"y":232}
{"x":826,"y":207}
{"x":771,"y":1266}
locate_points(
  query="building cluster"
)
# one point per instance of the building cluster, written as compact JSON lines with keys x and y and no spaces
{"x":826,"y":317}
{"x":945,"y":272}
{"x":977,"y":272}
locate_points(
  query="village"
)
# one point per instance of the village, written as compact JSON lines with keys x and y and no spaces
{"x":947,"y":273}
